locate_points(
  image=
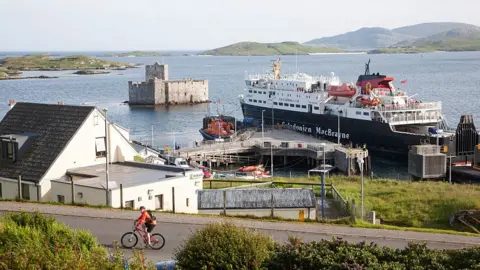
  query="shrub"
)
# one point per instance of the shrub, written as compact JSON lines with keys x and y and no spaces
{"x":224,"y":246}
{"x":338,"y":254}
{"x":34,"y":241}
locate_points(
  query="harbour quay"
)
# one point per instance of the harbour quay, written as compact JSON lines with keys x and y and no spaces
{"x":280,"y":144}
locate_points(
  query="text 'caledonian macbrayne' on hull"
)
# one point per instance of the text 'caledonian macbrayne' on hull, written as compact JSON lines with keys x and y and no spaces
{"x":371,"y":112}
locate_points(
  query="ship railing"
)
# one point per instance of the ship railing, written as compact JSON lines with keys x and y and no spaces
{"x":414,"y":118}
{"x":411,"y":106}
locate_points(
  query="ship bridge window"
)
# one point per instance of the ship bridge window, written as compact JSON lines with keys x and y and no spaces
{"x":285,"y":104}
{"x":298,"y":106}
{"x":275,"y":103}
{"x":264,"y":92}
{"x":281,"y":103}
{"x":255,"y":100}
{"x":316,"y":108}
{"x":264,"y":102}
{"x":304,"y":106}
{"x":250,"y":100}
{"x":359,"y":113}
{"x":292,"y":105}
{"x":249,"y":91}
{"x":366,"y":113}
{"x":254,"y":92}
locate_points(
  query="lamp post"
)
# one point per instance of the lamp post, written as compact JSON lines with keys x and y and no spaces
{"x":338,"y":135}
{"x":105,"y":110}
{"x":323,"y":182}
{"x":263,"y":139}
{"x":360,"y":162}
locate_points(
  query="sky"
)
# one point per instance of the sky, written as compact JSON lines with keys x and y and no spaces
{"x":110,"y":25}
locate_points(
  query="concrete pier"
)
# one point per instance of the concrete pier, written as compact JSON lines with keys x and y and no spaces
{"x":279,"y":144}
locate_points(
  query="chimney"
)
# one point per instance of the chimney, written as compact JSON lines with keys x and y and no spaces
{"x":60,"y":103}
{"x":11,"y":103}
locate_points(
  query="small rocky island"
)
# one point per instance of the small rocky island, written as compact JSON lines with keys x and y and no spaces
{"x":90,"y":72}
{"x":11,"y":67}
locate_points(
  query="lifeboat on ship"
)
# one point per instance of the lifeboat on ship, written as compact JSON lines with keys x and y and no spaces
{"x":368,"y":102}
{"x":344,"y":90}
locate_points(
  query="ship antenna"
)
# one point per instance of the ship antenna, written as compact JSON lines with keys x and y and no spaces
{"x":367,"y":67}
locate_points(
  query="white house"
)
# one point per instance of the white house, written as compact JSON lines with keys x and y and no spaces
{"x":40,"y":142}
{"x":149,"y":154}
{"x":131,"y":185}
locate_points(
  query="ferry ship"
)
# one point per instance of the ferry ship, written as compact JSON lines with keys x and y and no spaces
{"x":371,"y":112}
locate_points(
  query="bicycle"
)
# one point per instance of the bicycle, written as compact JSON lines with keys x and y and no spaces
{"x":132,"y":237}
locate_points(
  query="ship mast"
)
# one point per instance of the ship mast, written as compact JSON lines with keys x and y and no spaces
{"x":367,"y":67}
{"x":276,"y":69}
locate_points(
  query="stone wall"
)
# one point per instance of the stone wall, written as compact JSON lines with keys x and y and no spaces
{"x":160,"y":92}
{"x":141,"y":93}
{"x":186,"y":91}
{"x":156,"y":71}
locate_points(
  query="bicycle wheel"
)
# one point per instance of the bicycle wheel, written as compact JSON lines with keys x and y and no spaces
{"x":157,"y":241}
{"x":129,"y":240}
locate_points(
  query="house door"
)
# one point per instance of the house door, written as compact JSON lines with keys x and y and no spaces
{"x":159,"y":202}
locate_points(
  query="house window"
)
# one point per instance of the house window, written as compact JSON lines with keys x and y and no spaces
{"x":129,"y":204}
{"x":100,"y":147}
{"x":159,"y":202}
{"x":26,"y":191}
{"x":61,"y":198}
{"x":95,"y":119}
{"x":188,"y":202}
{"x":7,"y":150}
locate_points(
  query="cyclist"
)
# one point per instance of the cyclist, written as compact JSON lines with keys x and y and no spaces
{"x":146,"y":221}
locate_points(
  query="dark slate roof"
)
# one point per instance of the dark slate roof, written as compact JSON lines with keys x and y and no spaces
{"x":256,"y":198}
{"x":55,"y":124}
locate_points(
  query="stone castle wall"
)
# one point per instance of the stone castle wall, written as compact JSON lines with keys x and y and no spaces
{"x":186,"y":91}
{"x":158,"y":90}
{"x":141,"y":93}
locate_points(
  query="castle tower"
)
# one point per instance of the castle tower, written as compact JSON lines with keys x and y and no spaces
{"x":156,"y":71}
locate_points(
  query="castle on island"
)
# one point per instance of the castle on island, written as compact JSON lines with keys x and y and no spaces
{"x":158,"y":90}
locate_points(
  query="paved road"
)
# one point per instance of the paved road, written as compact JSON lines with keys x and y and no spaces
{"x":109,"y":230}
{"x":109,"y":225}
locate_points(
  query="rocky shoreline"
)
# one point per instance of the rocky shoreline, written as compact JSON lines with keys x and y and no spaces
{"x":31,"y":77}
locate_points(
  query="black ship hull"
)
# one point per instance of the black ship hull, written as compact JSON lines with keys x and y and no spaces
{"x":378,"y":137}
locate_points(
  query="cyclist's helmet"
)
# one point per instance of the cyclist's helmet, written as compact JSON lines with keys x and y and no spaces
{"x":142,"y":207}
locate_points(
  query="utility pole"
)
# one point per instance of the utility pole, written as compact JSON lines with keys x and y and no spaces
{"x":106,"y":157}
{"x":263,"y":139}
{"x":361,"y":161}
{"x":339,"y":111}
{"x":323,"y":182}
{"x":152,"y":136}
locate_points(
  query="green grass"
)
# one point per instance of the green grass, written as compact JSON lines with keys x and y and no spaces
{"x":255,"y":48}
{"x":404,"y":203}
{"x":422,"y":205}
{"x":46,"y":62}
{"x":138,"y":159}
{"x":401,"y":50}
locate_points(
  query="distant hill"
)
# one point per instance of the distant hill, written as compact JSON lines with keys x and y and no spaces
{"x":460,"y":39}
{"x":376,"y":37}
{"x":363,"y":38}
{"x":282,"y":48}
{"x":136,"y":54}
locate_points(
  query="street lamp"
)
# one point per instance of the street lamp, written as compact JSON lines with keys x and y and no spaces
{"x":338,"y":135}
{"x":263,"y":139}
{"x":323,"y":182}
{"x":105,"y":110}
{"x":360,"y":163}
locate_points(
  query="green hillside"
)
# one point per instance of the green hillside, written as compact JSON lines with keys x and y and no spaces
{"x":255,"y":48}
{"x":47,"y":62}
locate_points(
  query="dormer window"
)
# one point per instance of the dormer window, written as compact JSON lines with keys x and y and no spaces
{"x":100,"y":148}
{"x":8,"y":150}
